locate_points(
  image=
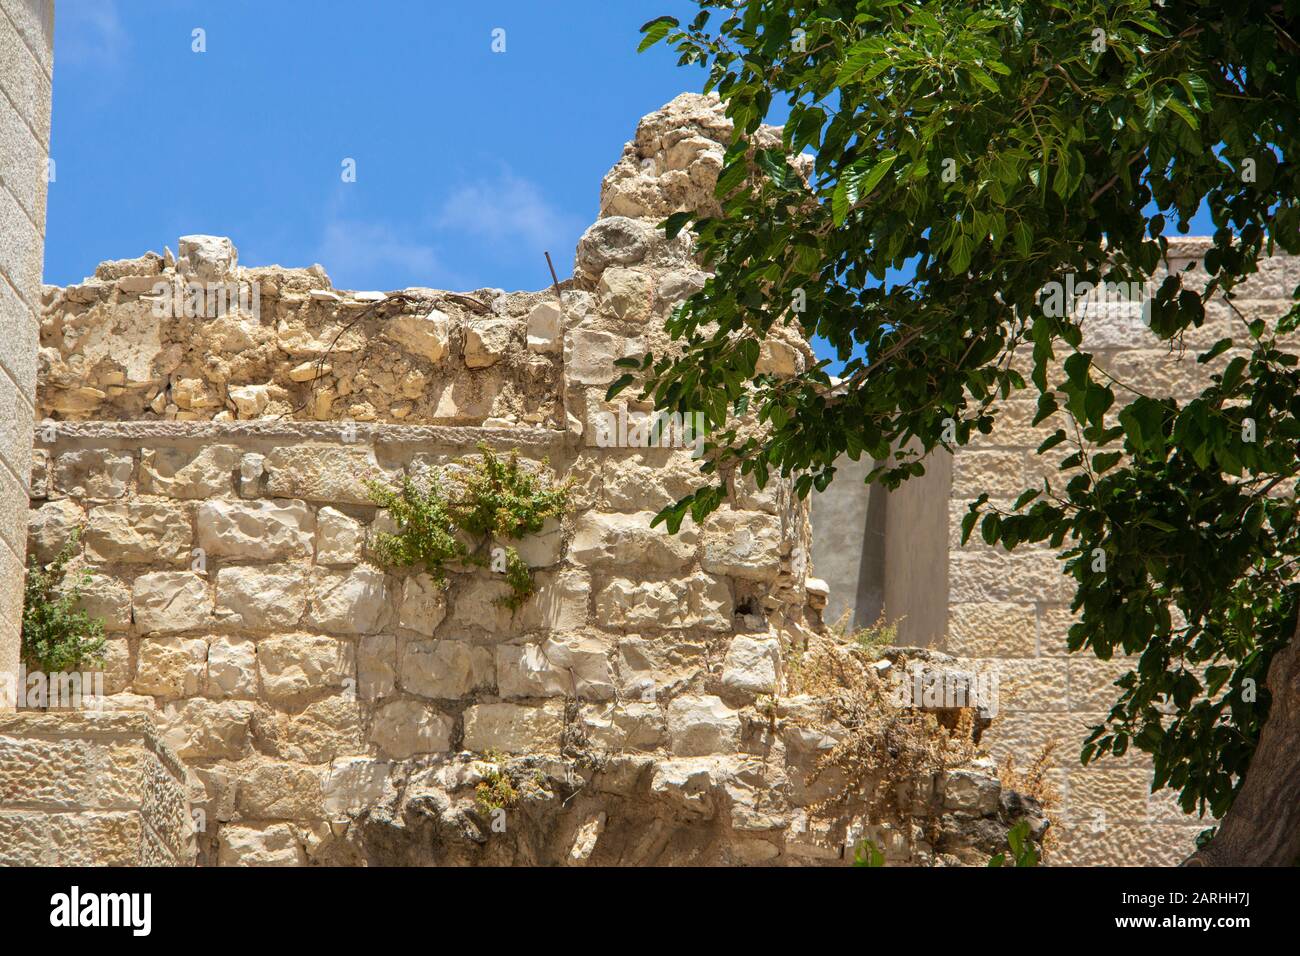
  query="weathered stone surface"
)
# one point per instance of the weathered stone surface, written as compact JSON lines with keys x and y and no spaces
{"x":319,"y":732}
{"x":296,"y":665}
{"x":623,"y":540}
{"x":514,"y":728}
{"x":168,"y":601}
{"x":261,"y":598}
{"x":627,"y":725}
{"x":273,"y":845}
{"x":673,"y":604}
{"x":700,"y":725}
{"x":376,"y":666}
{"x":422,"y":335}
{"x":404,"y":728}
{"x":349,"y":602}
{"x":205,"y":473}
{"x":139,"y":532}
{"x":232,"y":667}
{"x":445,"y":669}
{"x":488,"y":341}
{"x":276,"y":790}
{"x":424,"y":604}
{"x":751,"y":664}
{"x":106,"y":598}
{"x":545,"y":328}
{"x":354,"y":784}
{"x":206,"y":257}
{"x":562,"y":665}
{"x":256,"y":530}
{"x":543,"y":549}
{"x":171,"y":666}
{"x":51,"y":526}
{"x":627,"y":293}
{"x":743,"y":544}
{"x":589,"y":355}
{"x":330,"y":473}
{"x":198,"y":728}
{"x":93,"y":474}
{"x":613,"y":240}
{"x":339,"y":539}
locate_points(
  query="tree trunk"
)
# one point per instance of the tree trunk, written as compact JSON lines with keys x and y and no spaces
{"x":1262,"y":827}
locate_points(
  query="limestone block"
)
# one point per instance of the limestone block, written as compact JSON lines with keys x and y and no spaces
{"x":256,"y":530}
{"x":333,"y":474}
{"x":543,"y":549}
{"x":376,"y":666}
{"x":514,"y":728}
{"x":93,"y":473}
{"x":627,"y":293}
{"x":992,"y":630}
{"x":424,"y":604}
{"x":649,"y":480}
{"x":422,"y":335}
{"x":743,"y":544}
{"x":613,"y":240}
{"x":779,"y":358}
{"x":353,"y":784}
{"x":106,"y":598}
{"x":1018,"y":578}
{"x":166,"y":602}
{"x":487,"y":341}
{"x":295,"y":665}
{"x":139,"y":532}
{"x":545,"y":324}
{"x":560,"y":603}
{"x":339,"y":539}
{"x":322,"y":730}
{"x":171,"y":666}
{"x":232,"y":667}
{"x":589,"y":355}
{"x":261,"y":598}
{"x":445,"y":670}
{"x":206,"y":473}
{"x":250,"y":401}
{"x":199,"y":728}
{"x":273,"y":845}
{"x":700,"y":725}
{"x":700,"y":600}
{"x":624,"y":540}
{"x":751,"y":664}
{"x":210,"y":258}
{"x":41,"y":474}
{"x":689,"y":786}
{"x":628,"y":725}
{"x":680,"y":284}
{"x":562,"y":665}
{"x":277,"y":790}
{"x":349,"y":602}
{"x":403,"y":728}
{"x":51,"y":526}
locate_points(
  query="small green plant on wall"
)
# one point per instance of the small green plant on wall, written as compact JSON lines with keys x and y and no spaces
{"x":465,"y":514}
{"x":57,"y":636}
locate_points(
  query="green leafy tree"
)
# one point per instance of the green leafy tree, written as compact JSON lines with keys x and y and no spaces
{"x":984,"y":151}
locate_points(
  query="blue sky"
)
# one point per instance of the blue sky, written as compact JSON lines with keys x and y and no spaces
{"x":469,"y":163}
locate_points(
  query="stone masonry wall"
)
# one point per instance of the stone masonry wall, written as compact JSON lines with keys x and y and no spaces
{"x":331,"y":710}
{"x":26,"y":42}
{"x":90,"y":790}
{"x":1009,"y":612}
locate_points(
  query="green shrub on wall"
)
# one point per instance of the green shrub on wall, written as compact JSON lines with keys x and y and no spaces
{"x":463,"y":510}
{"x":58,"y":637}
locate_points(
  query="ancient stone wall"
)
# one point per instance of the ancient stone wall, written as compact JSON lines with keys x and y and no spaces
{"x":83,"y":789}
{"x":26,"y":43}
{"x":210,"y":428}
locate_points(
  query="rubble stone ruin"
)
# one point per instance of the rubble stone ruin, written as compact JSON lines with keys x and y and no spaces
{"x":273,"y":693}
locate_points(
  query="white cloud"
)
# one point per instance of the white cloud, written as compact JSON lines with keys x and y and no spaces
{"x":510,"y":210}
{"x":90,"y":35}
{"x":357,"y":254}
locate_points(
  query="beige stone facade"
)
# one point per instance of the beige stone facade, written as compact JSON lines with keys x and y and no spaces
{"x":26,"y":43}
{"x":210,"y":427}
{"x":91,"y":790}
